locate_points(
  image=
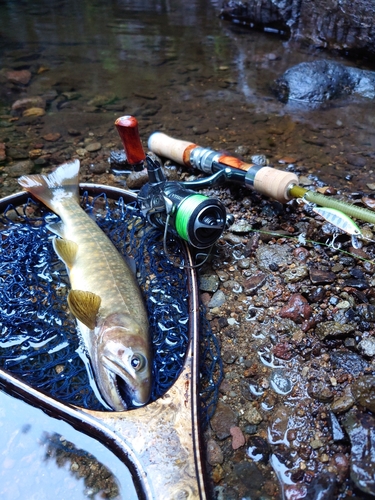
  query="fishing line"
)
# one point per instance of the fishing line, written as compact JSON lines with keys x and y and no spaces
{"x":313,"y":242}
{"x":168,"y":256}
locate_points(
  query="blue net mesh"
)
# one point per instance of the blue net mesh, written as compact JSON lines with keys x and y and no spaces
{"x":39,"y":341}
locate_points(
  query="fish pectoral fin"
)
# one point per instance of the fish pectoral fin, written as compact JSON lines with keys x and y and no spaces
{"x":84,"y":306}
{"x":66,"y":250}
{"x":56,"y":228}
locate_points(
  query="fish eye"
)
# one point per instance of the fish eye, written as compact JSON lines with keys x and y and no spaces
{"x":137,"y":362}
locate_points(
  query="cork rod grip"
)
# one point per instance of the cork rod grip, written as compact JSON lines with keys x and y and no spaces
{"x":175,"y":149}
{"x":274,"y":183}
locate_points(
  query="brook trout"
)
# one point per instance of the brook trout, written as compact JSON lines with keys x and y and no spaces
{"x":105,"y":297}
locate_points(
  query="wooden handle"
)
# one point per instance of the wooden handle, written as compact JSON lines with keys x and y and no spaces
{"x":274,"y":183}
{"x":175,"y":149}
{"x":127,"y":127}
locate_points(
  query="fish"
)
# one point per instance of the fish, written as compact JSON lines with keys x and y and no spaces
{"x":105,"y":297}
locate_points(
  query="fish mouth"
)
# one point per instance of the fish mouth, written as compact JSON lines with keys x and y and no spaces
{"x":124,"y":386}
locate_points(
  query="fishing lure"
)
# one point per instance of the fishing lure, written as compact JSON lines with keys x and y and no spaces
{"x":341,"y":221}
{"x":338,"y":219}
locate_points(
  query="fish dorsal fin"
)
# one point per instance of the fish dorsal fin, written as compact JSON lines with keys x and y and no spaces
{"x":66,"y":250}
{"x":84,"y":306}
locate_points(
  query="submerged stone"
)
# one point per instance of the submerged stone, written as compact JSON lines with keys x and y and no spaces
{"x":319,"y":81}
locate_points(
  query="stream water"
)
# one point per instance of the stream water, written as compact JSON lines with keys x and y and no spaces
{"x":178,"y":68}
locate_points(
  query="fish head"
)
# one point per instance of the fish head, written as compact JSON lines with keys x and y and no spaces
{"x":123,"y":362}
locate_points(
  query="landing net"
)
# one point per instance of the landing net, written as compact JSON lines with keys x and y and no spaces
{"x":38,"y":337}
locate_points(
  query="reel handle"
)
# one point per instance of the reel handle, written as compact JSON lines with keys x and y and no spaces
{"x":266,"y":180}
{"x":127,"y":128}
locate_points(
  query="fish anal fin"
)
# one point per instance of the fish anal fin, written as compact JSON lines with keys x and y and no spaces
{"x":66,"y":250}
{"x":56,"y":228}
{"x":84,"y":306}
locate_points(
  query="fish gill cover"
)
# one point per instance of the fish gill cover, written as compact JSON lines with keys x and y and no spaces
{"x":38,"y":337}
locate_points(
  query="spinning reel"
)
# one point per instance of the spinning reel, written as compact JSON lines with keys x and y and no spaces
{"x":171,"y":205}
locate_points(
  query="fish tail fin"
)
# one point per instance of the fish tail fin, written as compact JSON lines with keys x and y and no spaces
{"x":53,"y":188}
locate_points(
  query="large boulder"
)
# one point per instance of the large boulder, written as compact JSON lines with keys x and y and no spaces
{"x":347,"y":25}
{"x":322,"y":80}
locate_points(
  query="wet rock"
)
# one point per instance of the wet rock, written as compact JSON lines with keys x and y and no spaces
{"x":367,"y":347}
{"x":343,"y":403}
{"x":218,"y":299}
{"x":244,"y":263}
{"x":249,"y":479}
{"x":319,"y":81}
{"x":361,"y":430}
{"x":333,"y":329}
{"x":339,"y":464}
{"x":136,"y":180}
{"x":301,"y":254}
{"x":238,"y":439}
{"x":267,"y":255}
{"x":252,"y":284}
{"x":279,"y":382}
{"x":214,"y":453}
{"x":350,"y":362}
{"x":223,"y":420}
{"x":20,"y":77}
{"x":358,"y":284}
{"x":366,"y":312}
{"x":99,"y":168}
{"x":320,"y":391}
{"x":283,"y":350}
{"x":363,"y":390}
{"x":336,"y":431}
{"x":316,"y":294}
{"x":295,"y":274}
{"x":258,"y":449}
{"x":209,"y":282}
{"x":21,"y":168}
{"x":241,"y":226}
{"x":297,"y":309}
{"x":320,"y":276}
{"x":252,"y":415}
{"x":279,"y":426}
{"x":229,"y":356}
{"x":232,"y":285}
{"x":322,"y":487}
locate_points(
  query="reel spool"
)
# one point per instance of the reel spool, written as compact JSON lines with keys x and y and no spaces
{"x":195,"y":218}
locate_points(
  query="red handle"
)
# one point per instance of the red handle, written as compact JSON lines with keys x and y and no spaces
{"x":127,"y":127}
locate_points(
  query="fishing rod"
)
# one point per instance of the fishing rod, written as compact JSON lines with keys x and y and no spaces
{"x":277,"y":184}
